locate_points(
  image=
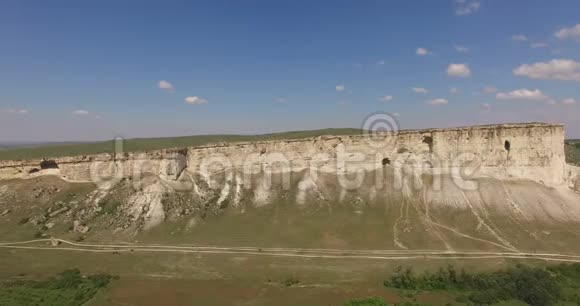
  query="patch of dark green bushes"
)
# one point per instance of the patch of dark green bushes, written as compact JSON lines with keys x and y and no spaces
{"x":108,"y":207}
{"x":370,"y":301}
{"x":68,"y":288}
{"x":533,"y":285}
{"x":289,"y":282}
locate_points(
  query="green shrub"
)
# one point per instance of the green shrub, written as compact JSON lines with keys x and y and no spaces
{"x":535,"y":286}
{"x":67,"y":289}
{"x":369,"y":301}
{"x":108,"y":207}
{"x":290,"y":282}
{"x":101,"y":280}
{"x":71,"y":278}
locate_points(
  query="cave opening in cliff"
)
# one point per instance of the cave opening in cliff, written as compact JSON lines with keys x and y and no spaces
{"x":386,"y":161}
{"x":507,"y":145}
{"x":48,"y":164}
{"x":33,"y":170}
{"x":429,"y":141}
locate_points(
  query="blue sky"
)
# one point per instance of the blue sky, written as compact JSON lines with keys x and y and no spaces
{"x":86,"y":70}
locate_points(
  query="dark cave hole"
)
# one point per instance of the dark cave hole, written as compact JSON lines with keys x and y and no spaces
{"x":507,"y":145}
{"x":48,"y":164}
{"x":429,"y":141}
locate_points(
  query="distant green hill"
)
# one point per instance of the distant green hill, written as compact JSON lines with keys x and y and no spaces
{"x":572,"y":150}
{"x":146,"y":144}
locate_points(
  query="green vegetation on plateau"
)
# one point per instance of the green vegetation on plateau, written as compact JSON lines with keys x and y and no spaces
{"x":69,"y":288}
{"x":146,"y":144}
{"x":572,"y":150}
{"x":554,"y":285}
{"x":572,"y":147}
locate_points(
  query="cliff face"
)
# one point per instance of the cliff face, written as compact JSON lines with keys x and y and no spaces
{"x":520,"y":151}
{"x":502,"y":186}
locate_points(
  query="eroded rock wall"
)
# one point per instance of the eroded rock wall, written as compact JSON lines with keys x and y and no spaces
{"x":525,"y":151}
{"x":533,"y":151}
{"x":167,"y":164}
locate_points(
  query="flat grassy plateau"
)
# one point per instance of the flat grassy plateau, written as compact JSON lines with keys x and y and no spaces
{"x":572,"y":147}
{"x":148,"y":144}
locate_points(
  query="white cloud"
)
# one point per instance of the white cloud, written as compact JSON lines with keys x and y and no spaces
{"x":454,"y":91}
{"x":420,"y":90}
{"x":519,"y":37}
{"x":522,"y":94}
{"x":396,"y":114}
{"x":556,"y":69}
{"x":381,"y":63}
{"x":343,"y":103}
{"x":489,"y":89}
{"x":340,"y":88}
{"x":466,"y":7}
{"x":81,"y":112}
{"x":193,"y":100}
{"x":569,"y":101}
{"x":16,"y":111}
{"x":537,"y":45}
{"x":572,"y":32}
{"x":166,"y":86}
{"x":280,"y":100}
{"x":439,"y":101}
{"x":84,"y":113}
{"x":458,"y":70}
{"x":461,"y":49}
{"x":386,"y":98}
{"x":422,"y":51}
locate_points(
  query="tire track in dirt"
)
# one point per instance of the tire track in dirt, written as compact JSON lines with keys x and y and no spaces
{"x":426,"y":219}
{"x":288,"y":252}
{"x":482,"y":222}
{"x":320,"y":256}
{"x":396,"y":226}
